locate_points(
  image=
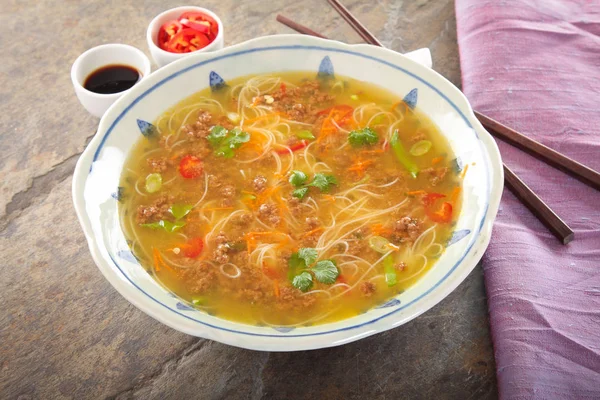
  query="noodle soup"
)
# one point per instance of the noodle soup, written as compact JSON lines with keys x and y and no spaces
{"x":287,"y":200}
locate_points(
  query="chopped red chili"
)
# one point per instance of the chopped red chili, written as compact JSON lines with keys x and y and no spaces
{"x":190,"y":167}
{"x":295,"y":147}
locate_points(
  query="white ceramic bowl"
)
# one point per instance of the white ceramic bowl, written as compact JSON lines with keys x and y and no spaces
{"x":162,"y":57}
{"x":97,"y":177}
{"x":101,"y":56}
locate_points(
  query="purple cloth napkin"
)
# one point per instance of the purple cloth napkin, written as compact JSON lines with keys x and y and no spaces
{"x":535,"y":66}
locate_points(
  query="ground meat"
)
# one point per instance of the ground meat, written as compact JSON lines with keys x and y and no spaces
{"x":358,"y":247}
{"x":298,"y":112}
{"x":259,"y":183}
{"x":283,"y":257}
{"x":407,"y":228}
{"x":225,"y":122}
{"x":162,"y":142}
{"x":221,"y":249}
{"x":155,"y":211}
{"x":201,"y":128}
{"x":201,"y":149}
{"x":157,"y":164}
{"x":295,"y":206}
{"x":199,"y":279}
{"x":312,"y":222}
{"x":310,"y":240}
{"x":292,"y":140}
{"x":401,"y":266}
{"x":418,"y":137}
{"x":341,"y":159}
{"x":242,"y":220}
{"x":257,"y":288}
{"x":291,"y":299}
{"x":228,"y":193}
{"x":214,"y":181}
{"x":298,"y":102}
{"x":361,"y":233}
{"x":368,"y":288}
{"x":269,"y":212}
{"x":437,"y":175}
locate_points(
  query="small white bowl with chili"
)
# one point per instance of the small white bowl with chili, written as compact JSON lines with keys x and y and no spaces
{"x":181,"y":31}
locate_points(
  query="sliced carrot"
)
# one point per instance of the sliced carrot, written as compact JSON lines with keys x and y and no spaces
{"x":380,"y":230}
{"x":379,"y":151}
{"x":260,"y":233}
{"x":454,"y":195}
{"x":155,"y":254}
{"x":360,"y":166}
{"x":218,"y":208}
{"x":436,"y":160}
{"x":250,"y":244}
{"x":464,"y":171}
{"x":158,"y":260}
{"x":276,"y":288}
{"x":283,"y":242}
{"x":313,"y":231}
{"x":416,"y":193}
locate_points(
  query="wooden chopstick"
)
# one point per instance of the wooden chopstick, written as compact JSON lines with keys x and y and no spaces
{"x":544,"y":153}
{"x":537,"y":206}
{"x":355,"y":24}
{"x":297,"y":27}
{"x":527,"y":196}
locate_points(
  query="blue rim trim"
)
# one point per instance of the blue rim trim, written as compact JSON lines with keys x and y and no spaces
{"x":295,"y":47}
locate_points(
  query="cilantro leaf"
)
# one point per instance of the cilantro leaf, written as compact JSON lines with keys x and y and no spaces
{"x":304,"y":281}
{"x":297,"y":178}
{"x":308,"y":254}
{"x":226,"y":141}
{"x":237,"y":137}
{"x":300,"y":193}
{"x":166,"y":225}
{"x":217,"y":135}
{"x":325,"y":271}
{"x":323,"y":182}
{"x":180,"y":210}
{"x":224,"y":151}
{"x":362,"y":137}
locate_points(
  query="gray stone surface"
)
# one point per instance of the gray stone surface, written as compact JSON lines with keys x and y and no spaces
{"x":65,"y":333}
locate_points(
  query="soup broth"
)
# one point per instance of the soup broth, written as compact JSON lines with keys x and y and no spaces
{"x":288,"y":200}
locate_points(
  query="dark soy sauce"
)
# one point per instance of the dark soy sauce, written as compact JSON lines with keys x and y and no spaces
{"x":112,"y":79}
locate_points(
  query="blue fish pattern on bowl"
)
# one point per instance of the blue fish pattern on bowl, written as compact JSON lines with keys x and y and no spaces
{"x":326,"y":68}
{"x":184,"y":307}
{"x":127,"y":255}
{"x":146,"y":128}
{"x":215,"y":81}
{"x":389,"y":303}
{"x":458,"y":235}
{"x":118,"y":195}
{"x":283,"y":329}
{"x":411,"y":98}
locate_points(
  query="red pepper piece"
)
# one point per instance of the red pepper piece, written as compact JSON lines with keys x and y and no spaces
{"x":190,"y":167}
{"x":295,"y":147}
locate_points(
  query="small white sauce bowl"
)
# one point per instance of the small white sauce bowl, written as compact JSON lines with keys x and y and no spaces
{"x":162,"y":57}
{"x":102,"y":56}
